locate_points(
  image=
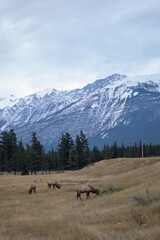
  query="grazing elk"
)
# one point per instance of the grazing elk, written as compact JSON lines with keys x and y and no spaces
{"x":32,"y":188}
{"x":54,"y":184}
{"x":86,"y":189}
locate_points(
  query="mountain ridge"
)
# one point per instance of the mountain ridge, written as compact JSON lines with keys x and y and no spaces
{"x":101,"y":109}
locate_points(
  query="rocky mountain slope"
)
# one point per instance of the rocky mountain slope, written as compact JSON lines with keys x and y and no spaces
{"x":115,"y":108}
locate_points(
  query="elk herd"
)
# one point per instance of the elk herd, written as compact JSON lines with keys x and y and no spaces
{"x":82,"y":188}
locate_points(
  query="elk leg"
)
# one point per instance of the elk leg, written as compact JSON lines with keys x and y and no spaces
{"x":30,"y":191}
{"x":80,"y":197}
{"x":34,"y":190}
{"x":77,"y":196}
{"x":89,"y":195}
{"x":86,"y":195}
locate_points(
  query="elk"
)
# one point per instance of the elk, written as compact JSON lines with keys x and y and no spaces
{"x":86,"y":189}
{"x":54,"y":184}
{"x":32,"y":188}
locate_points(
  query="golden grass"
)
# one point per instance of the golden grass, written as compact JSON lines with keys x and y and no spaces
{"x":56,"y":214}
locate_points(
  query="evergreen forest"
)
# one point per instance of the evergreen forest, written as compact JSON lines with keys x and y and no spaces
{"x":71,"y":154}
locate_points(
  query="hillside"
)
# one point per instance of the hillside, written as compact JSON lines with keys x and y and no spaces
{"x":127,"y":208}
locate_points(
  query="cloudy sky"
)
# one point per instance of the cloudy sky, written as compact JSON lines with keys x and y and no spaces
{"x":65,"y":44}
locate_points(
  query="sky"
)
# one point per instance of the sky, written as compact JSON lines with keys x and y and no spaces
{"x":66,"y":44}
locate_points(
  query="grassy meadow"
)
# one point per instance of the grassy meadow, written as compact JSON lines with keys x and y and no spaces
{"x":128,"y":207}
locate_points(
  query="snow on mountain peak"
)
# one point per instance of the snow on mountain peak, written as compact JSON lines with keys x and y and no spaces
{"x":8,"y":102}
{"x":45,"y":92}
{"x":96,"y":108}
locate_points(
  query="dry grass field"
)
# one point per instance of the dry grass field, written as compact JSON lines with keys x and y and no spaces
{"x":128,"y":207}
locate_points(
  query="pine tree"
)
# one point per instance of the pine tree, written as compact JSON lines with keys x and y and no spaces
{"x":20,"y":155}
{"x":108,"y":153}
{"x":73,"y":159}
{"x":140,"y":149}
{"x":64,"y":146}
{"x":82,"y":150}
{"x":51,"y":160}
{"x":28,"y":158}
{"x":114,"y":150}
{"x":36,"y":154}
{"x":6,"y":146}
{"x":22,"y":162}
{"x":122,"y":150}
{"x":150,"y":151}
{"x":103,"y":152}
{"x":43,"y":161}
{"x":1,"y":156}
{"x":135,"y":150}
{"x":95,"y":155}
{"x":13,"y":150}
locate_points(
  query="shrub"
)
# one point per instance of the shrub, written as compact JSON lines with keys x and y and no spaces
{"x":147,"y":198}
{"x":112,"y":189}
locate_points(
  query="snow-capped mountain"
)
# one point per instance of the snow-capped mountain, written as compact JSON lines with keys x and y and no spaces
{"x":8,"y":102}
{"x":117,"y":108}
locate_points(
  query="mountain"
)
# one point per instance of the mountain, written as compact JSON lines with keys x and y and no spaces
{"x":10,"y":101}
{"x":117,"y":108}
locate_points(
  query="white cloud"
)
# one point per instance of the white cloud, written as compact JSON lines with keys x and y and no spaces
{"x":65,"y":45}
{"x":18,"y":85}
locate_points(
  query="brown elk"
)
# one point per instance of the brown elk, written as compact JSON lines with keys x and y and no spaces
{"x":54,"y":184}
{"x":86,"y":189}
{"x":32,"y":188}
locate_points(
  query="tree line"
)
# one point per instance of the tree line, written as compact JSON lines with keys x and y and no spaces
{"x":69,"y":155}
